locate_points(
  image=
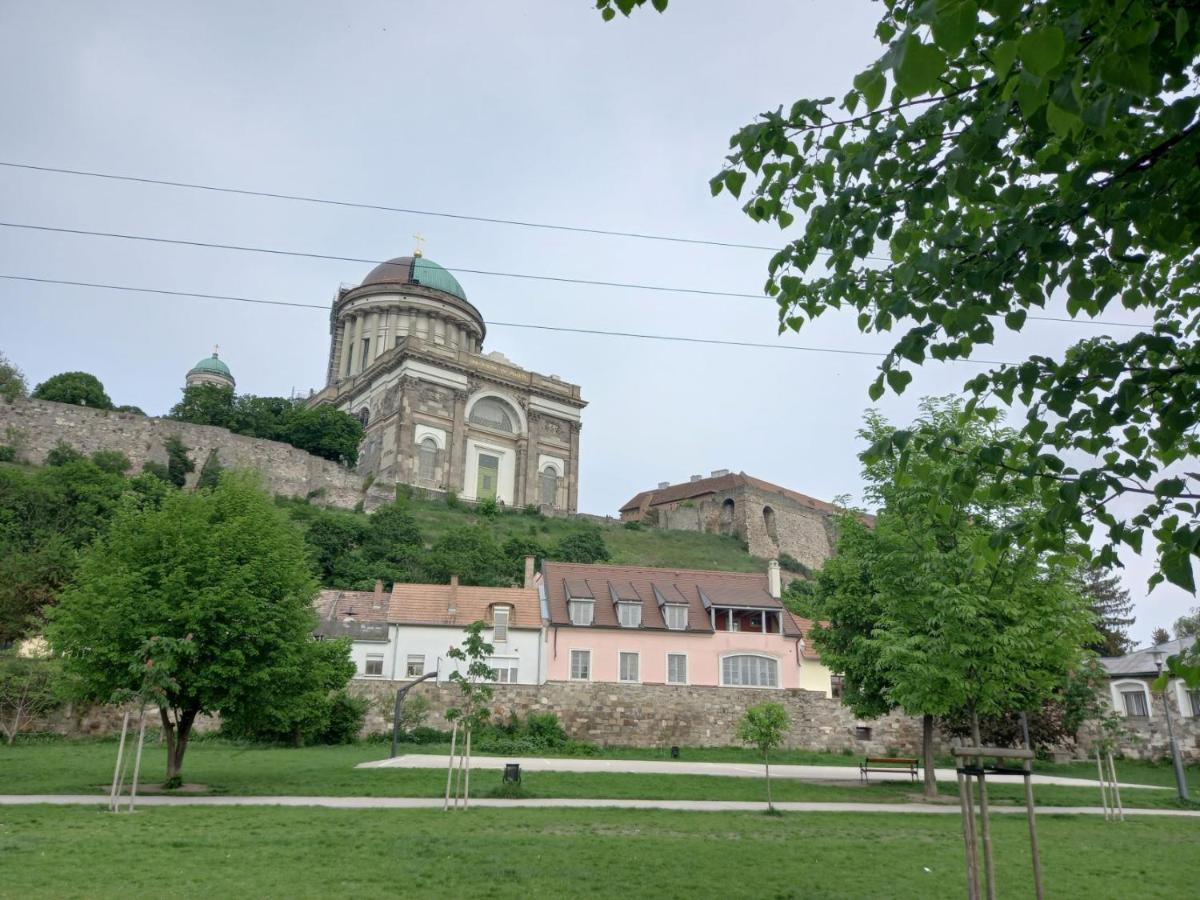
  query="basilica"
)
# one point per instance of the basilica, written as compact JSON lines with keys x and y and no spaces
{"x":406,"y":357}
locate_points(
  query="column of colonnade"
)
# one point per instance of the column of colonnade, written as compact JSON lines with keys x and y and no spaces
{"x":384,"y":327}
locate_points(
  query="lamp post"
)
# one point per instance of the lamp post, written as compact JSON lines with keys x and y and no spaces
{"x":1180,"y":780}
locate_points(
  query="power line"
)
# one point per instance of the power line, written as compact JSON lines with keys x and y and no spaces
{"x":538,"y":327}
{"x":552,"y":278}
{"x":325,"y":201}
{"x":326,"y":256}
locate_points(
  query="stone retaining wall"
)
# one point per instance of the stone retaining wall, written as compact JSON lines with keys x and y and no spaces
{"x":660,"y":715}
{"x":34,"y":427}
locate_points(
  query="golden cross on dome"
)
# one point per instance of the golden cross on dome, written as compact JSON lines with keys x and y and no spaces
{"x":420,"y":239}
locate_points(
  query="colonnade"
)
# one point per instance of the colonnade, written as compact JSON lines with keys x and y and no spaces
{"x":365,"y":336}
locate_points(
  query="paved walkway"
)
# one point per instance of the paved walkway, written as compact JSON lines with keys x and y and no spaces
{"x":680,"y":805}
{"x":734,"y":770}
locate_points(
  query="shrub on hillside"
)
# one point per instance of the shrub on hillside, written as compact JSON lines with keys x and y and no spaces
{"x":76,"y":388}
{"x":112,"y":461}
{"x":61,"y":454}
{"x":585,"y":546}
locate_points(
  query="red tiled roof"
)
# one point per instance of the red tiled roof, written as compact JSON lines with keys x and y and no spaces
{"x":722,"y":588}
{"x":361,"y":606}
{"x":445,"y":604}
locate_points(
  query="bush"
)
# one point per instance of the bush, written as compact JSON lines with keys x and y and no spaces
{"x":8,"y":454}
{"x":586,"y":546}
{"x":488,"y":508}
{"x":62,"y":454}
{"x":425,"y":735}
{"x":791,"y":564}
{"x":346,"y":716}
{"x":113,"y":461}
{"x":78,"y":388}
{"x":452,"y":500}
{"x":531,"y":510}
{"x":633,"y":525}
{"x":539,"y":733}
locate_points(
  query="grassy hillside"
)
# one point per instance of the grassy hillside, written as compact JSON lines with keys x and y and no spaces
{"x":640,"y":547}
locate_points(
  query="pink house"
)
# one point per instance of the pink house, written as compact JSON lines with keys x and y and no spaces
{"x":639,"y":625}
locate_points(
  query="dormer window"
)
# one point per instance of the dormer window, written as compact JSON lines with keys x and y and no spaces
{"x":581,"y":611}
{"x":629,"y":614}
{"x":676,"y":616}
{"x":500,"y":617}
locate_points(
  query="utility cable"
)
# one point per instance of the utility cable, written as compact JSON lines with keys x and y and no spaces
{"x":552,"y":278}
{"x":539,"y":327}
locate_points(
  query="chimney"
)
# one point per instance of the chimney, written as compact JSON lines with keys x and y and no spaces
{"x":717,"y":473}
{"x":696,"y":477}
{"x":529,"y":561}
{"x":378,"y":590}
{"x":453,"y":606}
{"x":663,"y":484}
{"x":774,"y":588}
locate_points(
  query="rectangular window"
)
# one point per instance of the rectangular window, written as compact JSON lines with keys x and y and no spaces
{"x":630,"y":614}
{"x":837,"y":686}
{"x":750,"y":671}
{"x":1194,"y":698}
{"x":676,"y":616}
{"x":505,"y":669}
{"x":366,"y":353}
{"x":1135,"y":703}
{"x":374,"y":664}
{"x":500,"y":623}
{"x":415,"y":667}
{"x":628,"y":666}
{"x":581,"y":665}
{"x":676,"y":668}
{"x":581,"y":612}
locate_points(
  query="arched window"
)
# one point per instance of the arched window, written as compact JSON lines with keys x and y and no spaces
{"x":549,"y":486}
{"x":492,"y":413}
{"x":426,"y":458}
{"x":364,"y":416}
{"x":748,"y":670}
{"x":1132,"y":698}
{"x":727,"y":516}
{"x":769,"y":521}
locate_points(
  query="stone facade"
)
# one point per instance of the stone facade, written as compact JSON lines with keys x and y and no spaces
{"x":34,"y":427}
{"x":1146,"y":736}
{"x":660,"y":716}
{"x":406,"y":357}
{"x":772,"y":520}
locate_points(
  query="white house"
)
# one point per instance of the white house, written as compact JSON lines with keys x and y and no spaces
{"x":409,"y":633}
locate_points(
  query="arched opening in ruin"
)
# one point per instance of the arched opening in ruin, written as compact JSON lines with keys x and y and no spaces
{"x":726,"y":522}
{"x":769,"y":521}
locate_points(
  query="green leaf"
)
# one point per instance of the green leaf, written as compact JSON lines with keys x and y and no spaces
{"x":1060,"y":120}
{"x":871,"y":84}
{"x":608,"y":14}
{"x":875,"y":391}
{"x":660,"y":5}
{"x":898,"y":380}
{"x":1095,"y":116}
{"x":1041,"y":50}
{"x":1015,"y":320}
{"x":1003,"y":57}
{"x":734,"y":181}
{"x":919,"y":68}
{"x":1177,"y":567}
{"x":955,"y":24}
{"x":1129,"y":70}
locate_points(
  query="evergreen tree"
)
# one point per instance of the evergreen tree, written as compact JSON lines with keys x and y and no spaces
{"x":1113,"y":610}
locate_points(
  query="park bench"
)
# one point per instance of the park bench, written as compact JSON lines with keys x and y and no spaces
{"x":888,"y":764}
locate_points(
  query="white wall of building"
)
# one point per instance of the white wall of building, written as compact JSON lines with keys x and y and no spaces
{"x":521,"y":651}
{"x":506,"y":484}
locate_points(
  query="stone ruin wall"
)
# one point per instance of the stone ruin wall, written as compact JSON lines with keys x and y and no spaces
{"x":34,"y":427}
{"x":661,"y":716}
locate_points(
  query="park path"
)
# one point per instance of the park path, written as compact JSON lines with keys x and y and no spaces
{"x":672,"y":767}
{"x":680,"y":805}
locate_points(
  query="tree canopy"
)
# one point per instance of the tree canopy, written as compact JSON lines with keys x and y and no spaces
{"x":13,"y":385}
{"x":77,"y":388}
{"x":323,"y":431}
{"x":1000,"y":156}
{"x":211,"y":593}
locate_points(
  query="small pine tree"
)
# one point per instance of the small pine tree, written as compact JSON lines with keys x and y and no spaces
{"x":210,"y":472}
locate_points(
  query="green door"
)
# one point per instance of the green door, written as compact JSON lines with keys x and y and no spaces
{"x":488,"y":478}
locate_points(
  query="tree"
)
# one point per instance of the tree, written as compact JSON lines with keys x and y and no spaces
{"x":297,"y":704}
{"x":392,"y":544}
{"x":210,"y":472}
{"x":1160,"y":635}
{"x":218,"y":580}
{"x":471,"y":711}
{"x":325,"y":431}
{"x":470,"y":552}
{"x":1112,"y":608}
{"x":77,"y":388}
{"x":920,"y":616}
{"x":13,"y":385}
{"x":1026,"y":153}
{"x":765,"y":725}
{"x":584,"y":546}
{"x":205,"y":404}
{"x":29,"y":688}
{"x":1188,"y":626}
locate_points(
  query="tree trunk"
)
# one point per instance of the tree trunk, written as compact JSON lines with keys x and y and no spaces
{"x":178,"y":733}
{"x":767,"y":766}
{"x":931,"y":787}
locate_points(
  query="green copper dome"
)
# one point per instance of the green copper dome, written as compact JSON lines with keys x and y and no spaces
{"x":212,"y":364}
{"x":415,"y":270}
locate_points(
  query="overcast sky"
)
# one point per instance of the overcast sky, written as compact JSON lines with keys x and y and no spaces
{"x":524,"y":109}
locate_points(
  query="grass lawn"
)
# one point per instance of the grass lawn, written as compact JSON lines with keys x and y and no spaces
{"x":256,"y":852}
{"x":83,"y":766}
